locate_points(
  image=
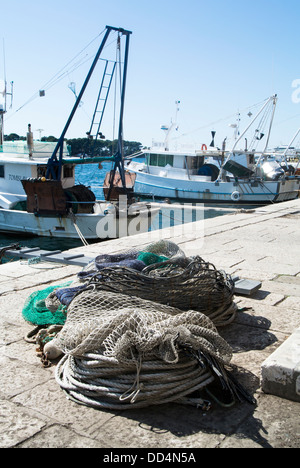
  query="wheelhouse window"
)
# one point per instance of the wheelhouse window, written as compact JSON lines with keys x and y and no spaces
{"x":2,"y":174}
{"x":68,"y":171}
{"x":161,"y":160}
{"x":41,"y":171}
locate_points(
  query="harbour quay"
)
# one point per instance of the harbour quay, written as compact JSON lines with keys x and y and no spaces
{"x":259,"y":246}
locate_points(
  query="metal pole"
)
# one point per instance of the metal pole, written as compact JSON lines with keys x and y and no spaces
{"x":78,"y":100}
{"x":120,"y":142}
{"x":119,"y":156}
{"x":271,"y":123}
{"x":1,"y":128}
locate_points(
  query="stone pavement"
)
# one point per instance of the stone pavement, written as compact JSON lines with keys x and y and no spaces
{"x":263,"y":245}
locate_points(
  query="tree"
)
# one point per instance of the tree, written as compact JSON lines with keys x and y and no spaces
{"x":131,"y":147}
{"x":100,"y":148}
{"x":88,"y":147}
{"x":49,"y":138}
{"x":13,"y":137}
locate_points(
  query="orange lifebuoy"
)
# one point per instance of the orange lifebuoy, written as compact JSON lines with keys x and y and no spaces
{"x":203,"y":148}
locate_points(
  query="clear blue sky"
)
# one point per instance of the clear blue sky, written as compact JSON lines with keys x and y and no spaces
{"x":216,"y":57}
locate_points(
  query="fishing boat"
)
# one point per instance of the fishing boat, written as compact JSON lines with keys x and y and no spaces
{"x":213,"y":175}
{"x":38,"y":195}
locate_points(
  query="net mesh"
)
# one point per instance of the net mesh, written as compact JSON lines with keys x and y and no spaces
{"x":122,"y":327}
{"x":167,"y":277}
{"x":136,"y":337}
{"x":36,"y":312}
{"x":126,"y":352}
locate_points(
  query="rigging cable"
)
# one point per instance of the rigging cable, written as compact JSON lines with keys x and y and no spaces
{"x":61,"y":73}
{"x":261,"y":127}
{"x":212,"y":124}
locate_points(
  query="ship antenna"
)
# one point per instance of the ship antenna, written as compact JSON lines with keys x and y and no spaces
{"x":168,"y":129}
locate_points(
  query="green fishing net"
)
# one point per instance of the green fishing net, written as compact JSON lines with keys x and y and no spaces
{"x":149,"y":258}
{"x":36,"y":312}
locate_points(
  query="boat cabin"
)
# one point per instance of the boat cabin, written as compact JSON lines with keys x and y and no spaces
{"x":188,"y":165}
{"x":175,"y":160}
{"x":17,"y":165}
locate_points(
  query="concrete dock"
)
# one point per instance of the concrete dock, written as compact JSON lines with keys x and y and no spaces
{"x":262,"y":245}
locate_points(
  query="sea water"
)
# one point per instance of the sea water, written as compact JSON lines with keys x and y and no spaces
{"x":93,"y":177}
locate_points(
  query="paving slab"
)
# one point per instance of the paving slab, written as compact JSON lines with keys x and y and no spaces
{"x":289,"y":286}
{"x":260,"y":314}
{"x":17,"y":424}
{"x":273,"y":424}
{"x":59,"y":436}
{"x":281,"y":370}
{"x":291,"y":302}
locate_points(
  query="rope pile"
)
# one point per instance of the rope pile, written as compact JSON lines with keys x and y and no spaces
{"x":141,"y":330}
{"x":123,"y":352}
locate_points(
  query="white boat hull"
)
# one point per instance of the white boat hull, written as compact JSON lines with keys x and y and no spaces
{"x":21,"y":222}
{"x":99,"y":225}
{"x":149,"y":185}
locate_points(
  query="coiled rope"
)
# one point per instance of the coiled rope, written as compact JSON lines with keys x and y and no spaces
{"x":126,"y":352}
{"x":101,"y":382}
{"x":145,"y":336}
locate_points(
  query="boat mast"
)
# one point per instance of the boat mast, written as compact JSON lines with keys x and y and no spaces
{"x":271,"y":99}
{"x":1,"y":126}
{"x":3,"y":108}
{"x":168,"y":130}
{"x":274,"y":98}
{"x":3,"y":104}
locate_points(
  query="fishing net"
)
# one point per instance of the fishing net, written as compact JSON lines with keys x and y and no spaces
{"x":123,"y":352}
{"x":97,"y":318}
{"x":141,"y":329}
{"x":36,"y":312}
{"x":163,"y":274}
{"x":137,"y":260}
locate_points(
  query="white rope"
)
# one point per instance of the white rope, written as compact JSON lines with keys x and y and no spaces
{"x":116,"y":391}
{"x":80,"y":235}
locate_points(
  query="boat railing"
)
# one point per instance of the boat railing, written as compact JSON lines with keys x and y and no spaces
{"x":40,"y":149}
{"x":17,"y":147}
